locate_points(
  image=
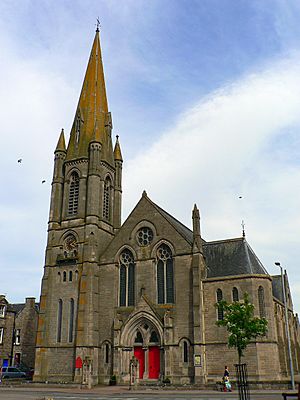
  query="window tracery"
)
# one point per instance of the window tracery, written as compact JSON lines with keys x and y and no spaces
{"x":107,"y":198}
{"x":127,"y":278}
{"x":144,"y":236}
{"x":73,"y":194}
{"x":165,"y":275}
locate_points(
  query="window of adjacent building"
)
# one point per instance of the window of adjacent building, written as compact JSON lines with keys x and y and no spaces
{"x":59,"y":319}
{"x":164,"y":273}
{"x":17,"y":336}
{"x":185,"y":352}
{"x":220,"y":312}
{"x":71,"y":320}
{"x":127,"y":278}
{"x":235,"y":294}
{"x":2,"y":310}
{"x":73,"y":194}
{"x":106,"y":198}
{"x":261,"y":302}
{"x":1,"y":335}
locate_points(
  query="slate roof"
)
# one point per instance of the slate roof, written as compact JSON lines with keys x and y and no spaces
{"x":18,"y":307}
{"x":182,"y":229}
{"x":231,"y":257}
{"x":277,"y":287}
{"x":223,"y":257}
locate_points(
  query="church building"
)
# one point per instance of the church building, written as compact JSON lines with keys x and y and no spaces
{"x":145,"y":288}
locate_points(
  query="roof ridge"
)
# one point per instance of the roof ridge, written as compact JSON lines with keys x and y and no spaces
{"x":255,"y":256}
{"x":223,"y":240}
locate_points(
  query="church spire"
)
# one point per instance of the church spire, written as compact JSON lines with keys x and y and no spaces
{"x":61,"y":145}
{"x":117,"y":150}
{"x":91,"y":113}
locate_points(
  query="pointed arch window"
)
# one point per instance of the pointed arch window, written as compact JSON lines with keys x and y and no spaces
{"x":261,"y":302}
{"x":107,"y":199}
{"x":71,"y":320}
{"x":165,"y":275}
{"x":127,"y":279}
{"x":153,"y":337}
{"x":220,"y":310}
{"x":185,"y":352}
{"x":73,"y":194}
{"x":59,"y":319}
{"x":106,"y":355}
{"x":235,"y":294}
{"x":138,"y":338}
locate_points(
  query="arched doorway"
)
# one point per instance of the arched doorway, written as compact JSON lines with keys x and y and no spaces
{"x":147,"y":350}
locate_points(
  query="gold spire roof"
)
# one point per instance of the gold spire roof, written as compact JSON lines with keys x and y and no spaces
{"x":61,"y":144}
{"x":117,"y":151}
{"x":92,"y":109}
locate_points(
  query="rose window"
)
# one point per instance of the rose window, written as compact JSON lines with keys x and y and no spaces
{"x":144,"y":236}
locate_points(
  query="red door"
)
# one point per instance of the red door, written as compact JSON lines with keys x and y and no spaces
{"x":139,"y":353}
{"x":154,"y":362}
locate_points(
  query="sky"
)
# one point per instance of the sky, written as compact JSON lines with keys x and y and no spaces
{"x":205,"y":96}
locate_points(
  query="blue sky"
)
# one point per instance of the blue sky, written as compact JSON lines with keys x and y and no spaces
{"x":204,"y":94}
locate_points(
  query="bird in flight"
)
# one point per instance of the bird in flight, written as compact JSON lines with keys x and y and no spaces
{"x":43,"y":181}
{"x":20,"y":160}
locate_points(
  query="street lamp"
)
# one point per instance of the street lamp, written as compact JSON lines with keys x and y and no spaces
{"x":287,"y":325}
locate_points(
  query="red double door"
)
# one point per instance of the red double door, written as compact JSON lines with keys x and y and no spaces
{"x":153,"y":361}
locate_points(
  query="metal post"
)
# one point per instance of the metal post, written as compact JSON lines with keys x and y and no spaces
{"x":287,"y":326}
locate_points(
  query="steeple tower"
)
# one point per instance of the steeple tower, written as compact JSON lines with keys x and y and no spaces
{"x":85,"y":214}
{"x":91,"y":116}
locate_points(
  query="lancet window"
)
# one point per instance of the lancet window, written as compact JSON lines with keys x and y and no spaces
{"x":165,"y":275}
{"x":235,"y":294}
{"x":261,"y":302}
{"x":107,"y":199}
{"x":73,"y":194}
{"x":220,"y":311}
{"x":59,"y":319}
{"x":185,"y":352}
{"x":127,"y":278}
{"x":71,"y":320}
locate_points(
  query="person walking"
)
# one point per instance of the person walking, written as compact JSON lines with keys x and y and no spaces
{"x":226,"y":381}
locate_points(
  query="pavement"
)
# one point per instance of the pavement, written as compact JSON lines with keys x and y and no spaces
{"x":112,"y":391}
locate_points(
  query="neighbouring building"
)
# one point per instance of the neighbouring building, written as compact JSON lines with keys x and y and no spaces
{"x":18,"y":326}
{"x":145,"y":288}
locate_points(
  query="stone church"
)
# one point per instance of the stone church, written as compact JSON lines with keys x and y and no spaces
{"x":145,"y":288}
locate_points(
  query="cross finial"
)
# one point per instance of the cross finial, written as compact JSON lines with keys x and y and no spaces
{"x":243,"y":228}
{"x":98,"y":25}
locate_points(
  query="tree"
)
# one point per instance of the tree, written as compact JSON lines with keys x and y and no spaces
{"x":242,"y":326}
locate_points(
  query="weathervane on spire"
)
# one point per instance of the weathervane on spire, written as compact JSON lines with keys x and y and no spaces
{"x":243,"y":228}
{"x":98,"y":25}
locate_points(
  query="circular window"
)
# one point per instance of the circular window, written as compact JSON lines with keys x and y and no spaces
{"x":144,"y":236}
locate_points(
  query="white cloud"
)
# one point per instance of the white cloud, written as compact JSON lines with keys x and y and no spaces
{"x":226,"y":146}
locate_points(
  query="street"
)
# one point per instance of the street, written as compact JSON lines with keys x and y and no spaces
{"x":10,"y":393}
